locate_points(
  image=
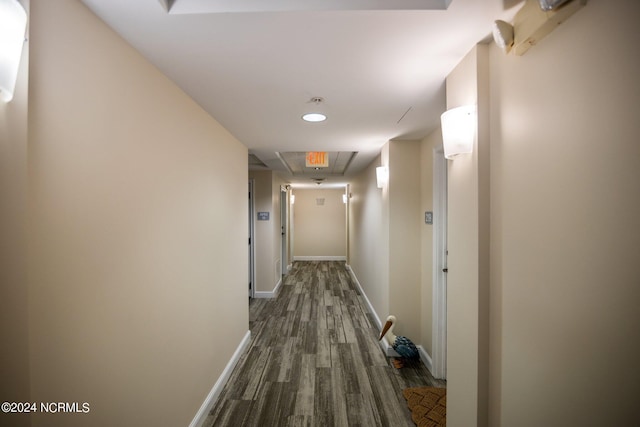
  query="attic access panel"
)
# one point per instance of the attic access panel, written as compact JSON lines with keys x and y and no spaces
{"x":256,"y":163}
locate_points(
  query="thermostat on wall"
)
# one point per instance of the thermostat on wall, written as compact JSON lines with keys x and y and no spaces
{"x":428,"y":217}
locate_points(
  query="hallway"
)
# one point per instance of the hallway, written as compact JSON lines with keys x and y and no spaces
{"x":314,"y":360}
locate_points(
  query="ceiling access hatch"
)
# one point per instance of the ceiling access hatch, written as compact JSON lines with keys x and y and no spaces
{"x":256,"y":163}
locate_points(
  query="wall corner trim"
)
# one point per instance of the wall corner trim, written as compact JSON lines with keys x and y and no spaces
{"x":212,"y":397}
{"x":268,"y":294}
{"x":426,"y":359}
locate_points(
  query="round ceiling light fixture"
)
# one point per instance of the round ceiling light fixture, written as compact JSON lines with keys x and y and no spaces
{"x":315,"y":117}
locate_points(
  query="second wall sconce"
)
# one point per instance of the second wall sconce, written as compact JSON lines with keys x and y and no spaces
{"x":458,"y":130}
{"x":382,"y":176}
{"x":13,"y":24}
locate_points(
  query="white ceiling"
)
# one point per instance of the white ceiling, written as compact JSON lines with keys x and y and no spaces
{"x":381,"y":72}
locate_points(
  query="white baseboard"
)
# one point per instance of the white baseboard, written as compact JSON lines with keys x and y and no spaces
{"x":319,"y":258}
{"x":269,"y":294}
{"x":384,"y":345}
{"x":426,"y":359}
{"x":369,"y":305}
{"x":213,"y":395}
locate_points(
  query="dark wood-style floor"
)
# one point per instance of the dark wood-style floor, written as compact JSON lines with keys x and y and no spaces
{"x":314,"y":360}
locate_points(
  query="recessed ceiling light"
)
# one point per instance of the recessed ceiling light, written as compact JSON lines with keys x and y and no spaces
{"x":314,"y":117}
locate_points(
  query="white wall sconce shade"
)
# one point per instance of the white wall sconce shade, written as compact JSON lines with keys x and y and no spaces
{"x":293,"y":199}
{"x":344,"y":199}
{"x":458,"y":130}
{"x":13,"y":24}
{"x":382,"y":176}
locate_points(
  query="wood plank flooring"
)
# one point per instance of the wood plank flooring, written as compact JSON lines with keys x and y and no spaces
{"x":314,"y":360}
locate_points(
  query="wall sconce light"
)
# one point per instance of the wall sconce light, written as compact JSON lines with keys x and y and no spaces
{"x":382,"y":176}
{"x":458,"y":130}
{"x":293,"y":199}
{"x":13,"y":24}
{"x":344,"y":199}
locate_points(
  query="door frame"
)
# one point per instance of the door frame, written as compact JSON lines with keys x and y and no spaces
{"x":252,"y":241}
{"x":284,"y":232}
{"x":439,"y":343}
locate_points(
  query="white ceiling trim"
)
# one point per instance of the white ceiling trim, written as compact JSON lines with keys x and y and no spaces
{"x":224,"y":6}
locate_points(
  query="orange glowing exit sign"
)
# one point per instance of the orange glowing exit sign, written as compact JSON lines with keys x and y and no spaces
{"x":317,"y":159}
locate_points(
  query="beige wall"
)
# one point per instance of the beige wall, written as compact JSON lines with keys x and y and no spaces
{"x":14,"y":332}
{"x":565,"y":238}
{"x":467,"y":246}
{"x":427,"y":147}
{"x":319,"y":230}
{"x":265,"y":257}
{"x":268,"y":242}
{"x":390,"y":246}
{"x":369,"y":235}
{"x":137,"y":258}
{"x":385,"y":236}
{"x":404,"y":237}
